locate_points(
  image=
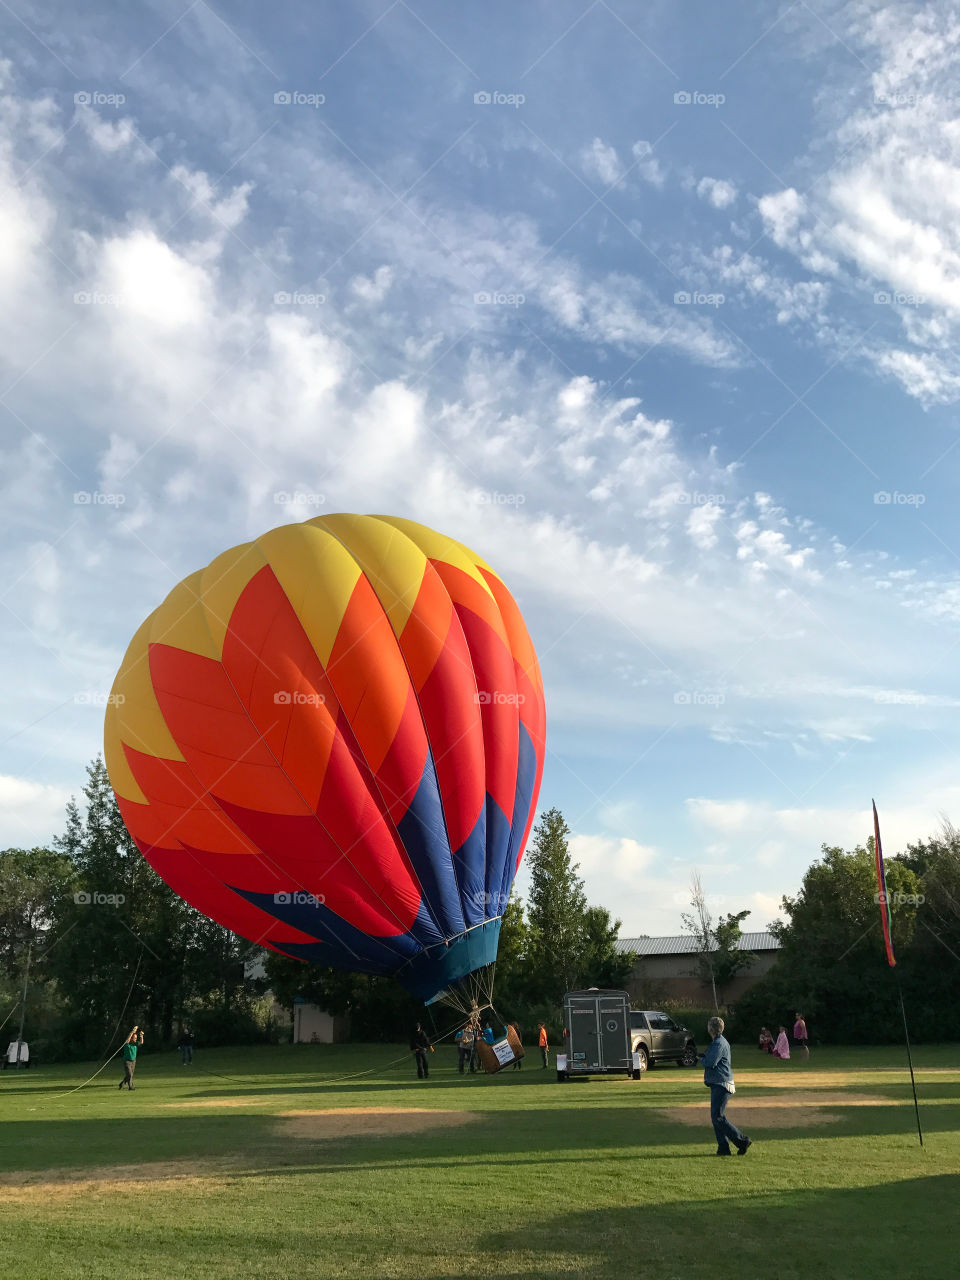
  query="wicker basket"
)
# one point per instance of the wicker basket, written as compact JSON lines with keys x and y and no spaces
{"x":491,"y":1060}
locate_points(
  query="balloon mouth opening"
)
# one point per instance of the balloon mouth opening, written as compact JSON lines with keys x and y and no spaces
{"x":441,"y":972}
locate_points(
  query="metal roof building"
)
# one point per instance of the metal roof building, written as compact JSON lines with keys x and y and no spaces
{"x":668,"y":968}
{"x":684,"y":945}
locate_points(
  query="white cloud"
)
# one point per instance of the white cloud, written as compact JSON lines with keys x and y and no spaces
{"x":106,"y":135}
{"x":700,"y":525}
{"x":600,"y":160}
{"x":33,"y":811}
{"x":882,"y":224}
{"x":717,"y":192}
{"x":373,"y":288}
{"x":647,"y":164}
{"x":922,"y":375}
{"x":156,"y":286}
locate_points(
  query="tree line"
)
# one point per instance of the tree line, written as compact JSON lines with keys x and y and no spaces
{"x":831,"y":964}
{"x":107,"y":942}
{"x":103,"y":942}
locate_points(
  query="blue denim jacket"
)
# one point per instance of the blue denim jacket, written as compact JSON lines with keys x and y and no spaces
{"x":716,"y":1063}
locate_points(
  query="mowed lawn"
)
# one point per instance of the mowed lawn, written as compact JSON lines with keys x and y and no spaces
{"x":269,"y":1163}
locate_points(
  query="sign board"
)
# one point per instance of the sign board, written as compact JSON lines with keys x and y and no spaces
{"x":561,"y":1062}
{"x":504,"y":1052}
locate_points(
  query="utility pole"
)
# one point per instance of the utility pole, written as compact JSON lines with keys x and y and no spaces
{"x":23,"y":1002}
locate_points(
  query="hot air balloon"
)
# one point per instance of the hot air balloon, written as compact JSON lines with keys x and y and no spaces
{"x":330,"y":740}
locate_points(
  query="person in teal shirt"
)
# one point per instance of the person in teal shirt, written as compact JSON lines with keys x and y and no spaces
{"x":131,"y":1044}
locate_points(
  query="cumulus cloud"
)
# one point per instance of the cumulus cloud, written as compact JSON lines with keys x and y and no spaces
{"x":373,"y":288}
{"x":600,"y":160}
{"x":204,"y":385}
{"x":717,"y":192}
{"x":882,"y":223}
{"x":33,"y":810}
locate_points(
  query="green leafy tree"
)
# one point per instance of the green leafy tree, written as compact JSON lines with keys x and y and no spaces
{"x":930,"y":968}
{"x":512,"y":956}
{"x":831,"y":964}
{"x":32,"y":884}
{"x":601,"y":963}
{"x":124,"y":948}
{"x":728,"y":958}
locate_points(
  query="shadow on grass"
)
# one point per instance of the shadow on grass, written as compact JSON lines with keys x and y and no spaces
{"x":898,"y":1229}
{"x":532,"y":1135}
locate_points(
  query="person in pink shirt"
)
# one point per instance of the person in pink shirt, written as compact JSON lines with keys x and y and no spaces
{"x":782,"y":1048}
{"x":800,"y":1032}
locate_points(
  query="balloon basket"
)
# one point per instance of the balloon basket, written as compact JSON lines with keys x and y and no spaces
{"x":502,"y":1053}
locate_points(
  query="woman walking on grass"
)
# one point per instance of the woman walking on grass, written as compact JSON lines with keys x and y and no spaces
{"x":718,"y":1077}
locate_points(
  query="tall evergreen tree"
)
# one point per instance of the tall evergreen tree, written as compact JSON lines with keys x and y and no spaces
{"x":556,"y":907}
{"x":512,"y":956}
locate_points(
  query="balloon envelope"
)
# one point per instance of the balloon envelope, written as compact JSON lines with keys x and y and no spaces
{"x":330,"y":740}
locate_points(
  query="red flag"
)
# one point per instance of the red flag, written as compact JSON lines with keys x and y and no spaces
{"x":882,"y":889}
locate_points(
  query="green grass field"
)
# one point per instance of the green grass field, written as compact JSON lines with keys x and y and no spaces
{"x":204,"y":1173}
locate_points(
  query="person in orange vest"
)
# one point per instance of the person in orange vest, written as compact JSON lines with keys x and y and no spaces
{"x":544,"y":1042}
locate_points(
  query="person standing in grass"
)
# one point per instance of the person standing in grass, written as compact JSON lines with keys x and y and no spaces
{"x":466,"y":1043}
{"x":517,"y":1062}
{"x":133,"y":1042}
{"x":420,"y":1046}
{"x":185,"y":1045}
{"x":800,"y":1036}
{"x":718,"y":1077}
{"x":782,"y":1048}
{"x":543,"y":1040}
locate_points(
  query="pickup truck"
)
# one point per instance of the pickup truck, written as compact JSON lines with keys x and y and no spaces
{"x":657,"y":1038}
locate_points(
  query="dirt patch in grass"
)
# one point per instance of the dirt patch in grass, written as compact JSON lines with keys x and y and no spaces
{"x":767,"y":1113}
{"x":783,"y":1117}
{"x":252,"y":1100}
{"x":798,"y":1075}
{"x":368,"y":1122}
{"x":37,"y":1187}
{"x":129,"y":1179}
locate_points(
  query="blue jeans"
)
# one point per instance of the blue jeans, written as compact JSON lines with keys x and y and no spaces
{"x":725,"y":1131}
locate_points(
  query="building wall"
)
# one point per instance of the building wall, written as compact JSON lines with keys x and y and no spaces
{"x":657,"y":978}
{"x":313,"y":1025}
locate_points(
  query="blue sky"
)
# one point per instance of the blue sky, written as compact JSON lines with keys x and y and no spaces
{"x":665,"y":329}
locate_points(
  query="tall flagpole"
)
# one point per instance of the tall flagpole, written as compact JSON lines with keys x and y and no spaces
{"x":906,"y":1036}
{"x":883,"y":900}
